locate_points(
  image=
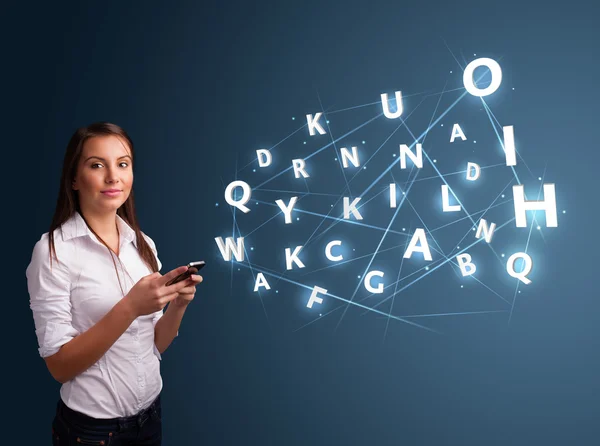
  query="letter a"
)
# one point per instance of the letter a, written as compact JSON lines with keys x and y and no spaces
{"x":457,"y":132}
{"x":261,"y":281}
{"x":418,"y":237}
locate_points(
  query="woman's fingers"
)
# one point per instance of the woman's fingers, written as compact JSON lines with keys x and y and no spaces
{"x":191,"y":283}
{"x":171,"y":275}
{"x":188,"y":290}
{"x":177,"y":286}
{"x":197,"y":278}
{"x":186,"y":287}
{"x":168,"y":298}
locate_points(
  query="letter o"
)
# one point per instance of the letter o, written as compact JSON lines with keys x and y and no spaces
{"x":496,"y":76}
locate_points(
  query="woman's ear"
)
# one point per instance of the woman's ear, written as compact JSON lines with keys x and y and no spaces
{"x":73,"y":186}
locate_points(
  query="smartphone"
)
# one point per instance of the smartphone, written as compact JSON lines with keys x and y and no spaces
{"x":193,"y":268}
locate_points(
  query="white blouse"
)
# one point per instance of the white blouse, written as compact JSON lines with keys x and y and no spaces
{"x":73,"y":296}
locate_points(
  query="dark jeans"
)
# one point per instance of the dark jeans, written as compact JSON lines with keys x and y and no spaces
{"x":74,"y":428}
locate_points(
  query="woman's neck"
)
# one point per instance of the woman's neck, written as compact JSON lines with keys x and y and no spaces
{"x":105,"y":225}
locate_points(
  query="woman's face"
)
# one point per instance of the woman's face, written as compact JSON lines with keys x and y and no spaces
{"x":105,"y":165}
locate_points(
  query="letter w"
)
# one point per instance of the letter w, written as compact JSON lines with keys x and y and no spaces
{"x":229,"y":246}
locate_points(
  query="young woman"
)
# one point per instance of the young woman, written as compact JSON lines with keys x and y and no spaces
{"x":97,"y":299}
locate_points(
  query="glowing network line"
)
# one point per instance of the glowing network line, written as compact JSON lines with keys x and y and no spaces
{"x":273,"y":147}
{"x":462,"y":206}
{"x":321,"y":149}
{"x":377,"y":150}
{"x":459,"y":172}
{"x":404,"y":195}
{"x":491,"y":115}
{"x":485,"y":211}
{"x":370,"y":104}
{"x":412,"y":179}
{"x":526,"y":246}
{"x":442,"y":263}
{"x":345,"y":300}
{"x":403,"y":123}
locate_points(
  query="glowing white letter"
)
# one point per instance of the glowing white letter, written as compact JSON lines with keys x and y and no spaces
{"x":368,"y":286}
{"x":417,"y":159}
{"x":522,"y":276}
{"x":457,"y":131}
{"x":314,"y":298}
{"x":229,"y":247}
{"x":470,"y":167}
{"x":314,"y":124}
{"x":386,"y":105}
{"x":328,"y":251}
{"x":446,"y":202}
{"x":509,"y":145}
{"x":261,"y":281}
{"x":267,"y":154}
{"x":548,"y":205}
{"x":488,"y":232}
{"x":466,"y":266}
{"x":293,"y":257}
{"x":346,"y":156}
{"x":245,"y":196}
{"x":299,"y":168}
{"x":496,"y":76}
{"x":351,"y":207}
{"x":418,"y":236}
{"x":393,"y":195}
{"x":287,"y":210}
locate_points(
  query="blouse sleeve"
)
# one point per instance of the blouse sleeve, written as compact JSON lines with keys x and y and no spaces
{"x":49,"y":299}
{"x":153,"y":248}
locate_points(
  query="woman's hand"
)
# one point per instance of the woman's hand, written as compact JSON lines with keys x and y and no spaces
{"x":150,"y":293}
{"x":186,"y":294}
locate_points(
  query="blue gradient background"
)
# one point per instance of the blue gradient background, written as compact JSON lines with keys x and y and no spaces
{"x":199,"y":85}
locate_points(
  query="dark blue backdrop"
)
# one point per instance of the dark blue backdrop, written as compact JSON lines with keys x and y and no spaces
{"x":199,"y":85}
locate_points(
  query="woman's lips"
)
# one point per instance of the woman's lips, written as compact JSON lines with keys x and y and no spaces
{"x":112,"y":193}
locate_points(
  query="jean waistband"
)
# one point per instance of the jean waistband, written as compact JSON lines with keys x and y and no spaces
{"x":119,"y":422}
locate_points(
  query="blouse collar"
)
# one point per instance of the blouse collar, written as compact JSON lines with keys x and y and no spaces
{"x":75,"y":226}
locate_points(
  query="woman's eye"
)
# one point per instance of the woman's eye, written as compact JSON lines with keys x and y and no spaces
{"x":93,"y":166}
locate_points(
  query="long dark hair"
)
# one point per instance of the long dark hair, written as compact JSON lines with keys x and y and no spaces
{"x":68,"y":201}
